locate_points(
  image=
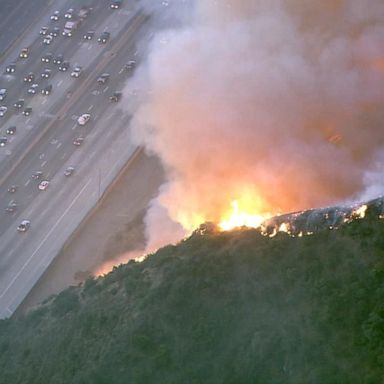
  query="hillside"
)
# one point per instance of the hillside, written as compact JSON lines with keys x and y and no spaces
{"x":234,"y":307}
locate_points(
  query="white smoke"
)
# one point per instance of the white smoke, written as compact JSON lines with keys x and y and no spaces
{"x":278,"y":101}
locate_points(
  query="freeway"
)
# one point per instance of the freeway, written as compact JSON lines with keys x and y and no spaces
{"x":44,"y":140}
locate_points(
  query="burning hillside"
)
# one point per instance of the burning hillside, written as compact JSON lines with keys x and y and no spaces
{"x":264,"y":107}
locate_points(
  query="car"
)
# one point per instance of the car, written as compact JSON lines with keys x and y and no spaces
{"x":76,"y":71}
{"x":12,"y":188}
{"x":3,"y":110}
{"x":11,"y":130}
{"x":83,"y":119}
{"x":11,"y":207}
{"x":24,"y":226}
{"x":69,"y":171}
{"x":63,"y":67}
{"x":10,"y":68}
{"x":48,"y":40}
{"x":47,"y":90}
{"x":3,"y":141}
{"x":27,"y":111}
{"x":116,"y":96}
{"x":47,"y":58}
{"x":43,"y":185}
{"x":37,"y":175}
{"x":58,"y":59}
{"x":19,"y":104}
{"x":89,"y":35}
{"x":69,"y":13}
{"x":43,"y":31}
{"x":103,"y":78}
{"x":3,"y":93}
{"x":55,"y":31}
{"x":46,"y":74}
{"x":130,"y":65}
{"x":29,"y":77}
{"x":104,"y":37}
{"x":55,"y":16}
{"x":78,"y":141}
{"x":24,"y":53}
{"x":83,"y":12}
{"x":33,"y":89}
{"x":116,"y":4}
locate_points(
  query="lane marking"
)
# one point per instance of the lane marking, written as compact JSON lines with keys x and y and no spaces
{"x":27,"y":183}
{"x":44,"y":101}
{"x":43,"y":163}
{"x":90,"y":108}
{"x":59,"y":83}
{"x":45,"y":238}
{"x":74,"y":127}
{"x":105,"y":88}
{"x":59,"y":145}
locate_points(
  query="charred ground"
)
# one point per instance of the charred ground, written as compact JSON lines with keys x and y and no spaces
{"x":234,"y":307}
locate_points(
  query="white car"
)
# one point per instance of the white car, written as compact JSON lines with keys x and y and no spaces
{"x":3,"y":110}
{"x":24,"y":225}
{"x":43,"y":185}
{"x":3,"y":93}
{"x":83,"y":119}
{"x":48,"y":39}
{"x":76,"y":71}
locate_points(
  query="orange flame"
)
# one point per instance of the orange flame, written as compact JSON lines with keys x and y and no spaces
{"x":241,"y":216}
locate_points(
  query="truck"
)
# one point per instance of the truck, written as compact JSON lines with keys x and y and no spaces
{"x":70,"y":27}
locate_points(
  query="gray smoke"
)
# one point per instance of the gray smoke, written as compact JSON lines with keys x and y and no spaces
{"x":279,"y":104}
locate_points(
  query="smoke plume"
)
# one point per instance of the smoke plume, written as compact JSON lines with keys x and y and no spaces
{"x":278,"y":104}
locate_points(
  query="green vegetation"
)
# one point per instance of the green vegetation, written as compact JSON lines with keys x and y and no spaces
{"x":232,"y":308}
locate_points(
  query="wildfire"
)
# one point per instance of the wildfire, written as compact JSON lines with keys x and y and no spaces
{"x":241,"y":217}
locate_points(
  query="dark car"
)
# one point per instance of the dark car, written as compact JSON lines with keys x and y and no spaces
{"x":10,"y":68}
{"x":104,"y":37}
{"x":69,"y":171}
{"x":47,"y":90}
{"x":37,"y":175}
{"x":29,"y":77}
{"x":63,"y":67}
{"x":3,"y":141}
{"x":116,"y":4}
{"x":130,"y":66}
{"x":89,"y":35}
{"x":11,"y":130}
{"x":12,"y":188}
{"x":102,"y":79}
{"x":47,"y":58}
{"x":58,"y":59}
{"x":116,"y":96}
{"x":11,"y":207}
{"x":27,"y":111}
{"x":19,"y":104}
{"x":55,"y":31}
{"x":78,"y":141}
{"x":46,"y":73}
{"x":32,"y":90}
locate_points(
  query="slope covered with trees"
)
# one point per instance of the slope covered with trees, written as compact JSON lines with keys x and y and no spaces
{"x":233,"y":307}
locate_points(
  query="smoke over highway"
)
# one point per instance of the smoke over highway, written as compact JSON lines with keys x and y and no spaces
{"x":277,"y":104}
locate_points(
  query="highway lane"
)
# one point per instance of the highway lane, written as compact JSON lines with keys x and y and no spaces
{"x":61,"y":85}
{"x":16,"y":272}
{"x":16,"y":20}
{"x":56,"y":145}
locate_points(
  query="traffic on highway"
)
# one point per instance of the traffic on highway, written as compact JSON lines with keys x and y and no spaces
{"x":63,"y":133}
